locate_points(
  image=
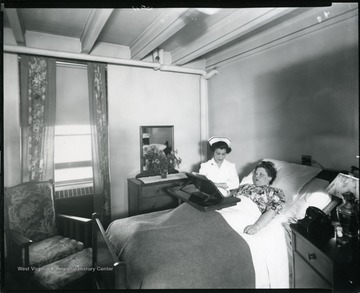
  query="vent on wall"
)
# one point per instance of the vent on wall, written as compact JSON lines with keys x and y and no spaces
{"x":73,"y":191}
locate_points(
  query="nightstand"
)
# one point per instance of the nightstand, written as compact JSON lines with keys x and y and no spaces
{"x":324,"y":264}
{"x":151,"y":197}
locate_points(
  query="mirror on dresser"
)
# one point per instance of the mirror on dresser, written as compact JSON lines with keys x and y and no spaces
{"x":160,"y":136}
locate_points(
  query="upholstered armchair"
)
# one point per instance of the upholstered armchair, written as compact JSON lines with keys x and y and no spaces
{"x":36,"y":235}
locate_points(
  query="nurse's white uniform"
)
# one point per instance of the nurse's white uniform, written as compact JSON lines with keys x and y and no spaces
{"x":225,"y":174}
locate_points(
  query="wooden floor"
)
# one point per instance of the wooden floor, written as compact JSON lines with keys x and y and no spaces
{"x":17,"y":283}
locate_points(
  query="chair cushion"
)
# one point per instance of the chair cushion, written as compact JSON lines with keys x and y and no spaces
{"x":60,"y":273}
{"x":52,"y":249}
{"x":30,"y":208}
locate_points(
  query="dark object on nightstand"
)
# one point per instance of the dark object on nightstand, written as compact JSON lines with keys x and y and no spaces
{"x":320,"y":264}
{"x":316,"y":224}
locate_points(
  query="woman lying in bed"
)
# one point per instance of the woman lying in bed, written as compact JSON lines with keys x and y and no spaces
{"x":269,"y":200}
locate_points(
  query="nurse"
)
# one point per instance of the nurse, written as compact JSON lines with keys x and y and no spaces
{"x":220,"y":171}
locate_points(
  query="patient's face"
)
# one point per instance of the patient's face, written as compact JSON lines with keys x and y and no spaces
{"x":261,"y":177}
{"x":220,"y":155}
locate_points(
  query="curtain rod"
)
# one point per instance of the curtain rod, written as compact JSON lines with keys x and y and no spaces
{"x":109,"y":60}
{"x":71,"y":64}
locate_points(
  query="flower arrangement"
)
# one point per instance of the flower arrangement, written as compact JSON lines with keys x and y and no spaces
{"x":158,"y":162}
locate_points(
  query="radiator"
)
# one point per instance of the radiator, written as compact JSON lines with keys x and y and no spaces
{"x":65,"y":192}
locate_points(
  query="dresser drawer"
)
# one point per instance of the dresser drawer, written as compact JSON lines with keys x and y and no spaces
{"x":314,"y":257}
{"x":306,"y":277}
{"x":156,"y":190}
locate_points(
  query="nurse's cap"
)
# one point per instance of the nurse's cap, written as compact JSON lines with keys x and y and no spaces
{"x":215,"y":139}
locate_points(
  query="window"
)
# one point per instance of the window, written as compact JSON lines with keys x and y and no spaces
{"x":72,"y":145}
{"x":72,"y":158}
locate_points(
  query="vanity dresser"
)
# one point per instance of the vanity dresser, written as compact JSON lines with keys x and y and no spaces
{"x":148,"y":194}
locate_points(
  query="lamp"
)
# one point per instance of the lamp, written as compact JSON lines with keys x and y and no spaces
{"x":346,"y":187}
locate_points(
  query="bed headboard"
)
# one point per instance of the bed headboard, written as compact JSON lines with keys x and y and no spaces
{"x":329,"y":175}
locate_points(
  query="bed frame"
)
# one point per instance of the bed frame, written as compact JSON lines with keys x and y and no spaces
{"x":110,"y":273}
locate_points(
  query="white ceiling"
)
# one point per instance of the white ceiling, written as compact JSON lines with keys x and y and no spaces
{"x":185,"y":34}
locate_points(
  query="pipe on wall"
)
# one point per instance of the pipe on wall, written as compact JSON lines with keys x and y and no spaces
{"x":210,"y":74}
{"x":204,"y":113}
{"x":182,"y":70}
{"x":110,"y":60}
{"x":77,"y":56}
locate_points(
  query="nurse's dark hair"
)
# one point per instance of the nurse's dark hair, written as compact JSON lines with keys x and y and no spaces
{"x":269,"y":168}
{"x":220,"y":145}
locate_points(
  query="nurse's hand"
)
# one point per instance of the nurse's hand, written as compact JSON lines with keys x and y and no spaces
{"x":222,"y":185}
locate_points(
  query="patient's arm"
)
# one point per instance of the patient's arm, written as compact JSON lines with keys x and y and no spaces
{"x":263,"y":220}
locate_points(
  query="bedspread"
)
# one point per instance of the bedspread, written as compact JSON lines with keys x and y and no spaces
{"x":182,"y":248}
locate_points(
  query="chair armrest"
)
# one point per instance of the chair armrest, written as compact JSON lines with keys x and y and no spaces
{"x":74,"y":227}
{"x":19,"y":249}
{"x":19,"y":240}
{"x":74,"y":218}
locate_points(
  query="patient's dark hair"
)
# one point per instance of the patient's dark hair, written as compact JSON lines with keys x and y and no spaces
{"x":220,"y":145}
{"x":269,"y":168}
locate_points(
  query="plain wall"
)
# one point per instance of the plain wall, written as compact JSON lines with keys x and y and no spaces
{"x":140,"y":97}
{"x":298,"y":98}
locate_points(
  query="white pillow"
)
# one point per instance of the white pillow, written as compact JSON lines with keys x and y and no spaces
{"x":290,"y":177}
{"x":312,"y":194}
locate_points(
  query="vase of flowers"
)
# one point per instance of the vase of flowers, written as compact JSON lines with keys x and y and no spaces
{"x":163,"y":173}
{"x":160,"y":163}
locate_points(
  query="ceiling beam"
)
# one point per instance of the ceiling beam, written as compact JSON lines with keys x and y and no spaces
{"x":230,"y":28}
{"x":303,"y":22}
{"x":94,"y":25}
{"x":166,"y":25}
{"x":16,"y":25}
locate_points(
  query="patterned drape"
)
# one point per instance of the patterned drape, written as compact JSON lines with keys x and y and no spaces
{"x":37,"y":81}
{"x":99,"y":134}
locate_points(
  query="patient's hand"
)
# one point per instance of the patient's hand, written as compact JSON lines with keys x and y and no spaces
{"x":252,"y":229}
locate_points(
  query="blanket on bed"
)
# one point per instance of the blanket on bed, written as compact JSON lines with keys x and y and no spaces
{"x":182,"y":248}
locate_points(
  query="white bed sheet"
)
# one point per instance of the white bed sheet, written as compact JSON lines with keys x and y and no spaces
{"x":271,"y":246}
